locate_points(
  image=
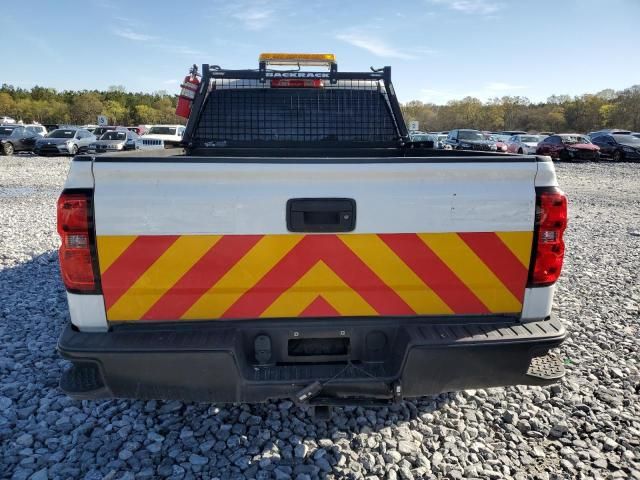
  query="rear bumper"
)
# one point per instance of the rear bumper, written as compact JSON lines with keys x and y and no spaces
{"x":387,"y":359}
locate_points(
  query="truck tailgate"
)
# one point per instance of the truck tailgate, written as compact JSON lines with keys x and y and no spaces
{"x":207,"y":238}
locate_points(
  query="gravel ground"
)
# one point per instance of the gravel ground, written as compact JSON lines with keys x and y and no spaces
{"x":586,"y":427}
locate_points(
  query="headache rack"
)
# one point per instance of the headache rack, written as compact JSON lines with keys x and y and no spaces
{"x":294,"y":108}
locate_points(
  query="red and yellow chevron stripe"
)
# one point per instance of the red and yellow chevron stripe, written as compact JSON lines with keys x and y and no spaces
{"x":198,"y":277}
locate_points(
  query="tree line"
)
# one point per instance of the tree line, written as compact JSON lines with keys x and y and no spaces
{"x":47,"y":105}
{"x":584,"y":113}
{"x":560,"y":113}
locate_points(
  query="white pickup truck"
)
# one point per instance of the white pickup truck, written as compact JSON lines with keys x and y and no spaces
{"x":301,"y":246}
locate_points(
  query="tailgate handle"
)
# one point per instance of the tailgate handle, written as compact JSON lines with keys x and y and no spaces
{"x":321,"y":215}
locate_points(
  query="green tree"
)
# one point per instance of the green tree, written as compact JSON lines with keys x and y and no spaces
{"x":146,"y":114}
{"x":116,"y":112}
{"x":7,"y":104}
{"x":86,"y":107}
{"x":627,"y":112}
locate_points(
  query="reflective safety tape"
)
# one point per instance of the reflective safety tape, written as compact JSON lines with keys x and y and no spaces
{"x":203,"y":277}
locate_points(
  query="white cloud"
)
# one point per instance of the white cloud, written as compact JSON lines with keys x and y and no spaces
{"x":131,"y":35}
{"x":130,"y":30}
{"x":374,"y":45}
{"x":254,"y":18}
{"x":126,"y":21}
{"x":471,"y":7}
{"x":250,"y":14}
{"x":181,"y":50}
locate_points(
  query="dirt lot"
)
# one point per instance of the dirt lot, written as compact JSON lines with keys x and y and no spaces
{"x":588,"y":426}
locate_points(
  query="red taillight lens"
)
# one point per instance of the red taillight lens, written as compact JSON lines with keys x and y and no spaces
{"x":296,"y":83}
{"x":73,"y":212}
{"x":75,"y":222}
{"x":551,"y":222}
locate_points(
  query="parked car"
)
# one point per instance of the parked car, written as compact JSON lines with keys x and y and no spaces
{"x":90,"y":127}
{"x":608,"y":131}
{"x":4,"y":120}
{"x":140,"y":130}
{"x":37,"y":129}
{"x":619,"y":147}
{"x":115,"y":140}
{"x":527,"y":144}
{"x":442,"y":138}
{"x":16,"y":138}
{"x":467,"y":139}
{"x":501,"y":145}
{"x":636,"y":134}
{"x":422,"y":139}
{"x":99,"y":131}
{"x":511,"y":133}
{"x":67,"y":141}
{"x":569,"y":146}
{"x":546,"y":134}
{"x":170,"y":134}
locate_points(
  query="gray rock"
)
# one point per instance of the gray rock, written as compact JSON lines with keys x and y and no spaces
{"x":437,"y":459}
{"x":301,"y":450}
{"x":155,"y":437}
{"x":170,"y":407}
{"x":323,"y":464}
{"x":154,"y":447}
{"x":408,"y":447}
{"x":325,"y":443}
{"x":609,"y":444}
{"x":510,"y":417}
{"x":392,"y":456}
{"x":319,"y":453}
{"x":405,"y":473}
{"x":282,"y":473}
{"x":538,"y":452}
{"x":558,"y":430}
{"x":5,"y":403}
{"x":40,"y":475}
{"x":26,"y":440}
{"x":242,"y":462}
{"x":165,"y":469}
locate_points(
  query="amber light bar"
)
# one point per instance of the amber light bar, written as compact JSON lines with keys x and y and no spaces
{"x":305,"y":59}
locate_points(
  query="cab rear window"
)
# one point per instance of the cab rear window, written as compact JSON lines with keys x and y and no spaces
{"x":267,"y":115}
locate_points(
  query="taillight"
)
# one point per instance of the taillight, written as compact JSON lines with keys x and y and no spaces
{"x":75,"y":227}
{"x":548,"y":248}
{"x":296,"y":83}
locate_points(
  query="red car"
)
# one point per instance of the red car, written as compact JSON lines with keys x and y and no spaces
{"x":568,"y":147}
{"x":500,"y":145}
{"x":139,"y":130}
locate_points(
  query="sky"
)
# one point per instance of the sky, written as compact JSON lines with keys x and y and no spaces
{"x":439,"y":50}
